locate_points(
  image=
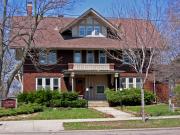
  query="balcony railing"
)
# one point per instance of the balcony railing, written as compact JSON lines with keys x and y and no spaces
{"x":88,"y":66}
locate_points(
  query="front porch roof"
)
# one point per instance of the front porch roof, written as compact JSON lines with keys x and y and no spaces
{"x":92,"y":72}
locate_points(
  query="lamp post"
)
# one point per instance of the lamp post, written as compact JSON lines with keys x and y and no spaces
{"x":72,"y":81}
{"x":116,"y":75}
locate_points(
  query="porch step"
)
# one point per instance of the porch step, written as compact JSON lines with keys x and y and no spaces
{"x":98,"y":104}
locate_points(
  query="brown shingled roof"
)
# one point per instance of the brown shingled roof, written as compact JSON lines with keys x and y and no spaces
{"x":48,"y":35}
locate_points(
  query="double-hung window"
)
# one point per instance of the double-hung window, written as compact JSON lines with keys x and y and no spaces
{"x":126,"y":59}
{"x":89,"y":30}
{"x":48,"y":58}
{"x":90,"y":56}
{"x":48,"y":83}
{"x":138,"y":82}
{"x":97,"y":30}
{"x":82,"y":31}
{"x":129,"y":82}
{"x":77,"y":57}
{"x":102,"y":57}
{"x":122,"y":83}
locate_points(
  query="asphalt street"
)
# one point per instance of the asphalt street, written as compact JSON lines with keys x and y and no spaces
{"x":168,"y":131}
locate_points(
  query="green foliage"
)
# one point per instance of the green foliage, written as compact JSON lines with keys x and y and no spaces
{"x":52,"y":98}
{"x":23,"y":109}
{"x":128,"y":97}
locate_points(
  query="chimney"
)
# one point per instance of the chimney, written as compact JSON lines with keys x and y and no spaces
{"x":29,"y":8}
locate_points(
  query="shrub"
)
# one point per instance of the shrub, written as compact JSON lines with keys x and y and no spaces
{"x":23,"y":109}
{"x":52,"y":99}
{"x":70,"y":96}
{"x":128,"y":97}
{"x":78,"y":103}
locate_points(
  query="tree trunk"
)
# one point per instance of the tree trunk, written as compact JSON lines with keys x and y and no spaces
{"x":142,"y":104}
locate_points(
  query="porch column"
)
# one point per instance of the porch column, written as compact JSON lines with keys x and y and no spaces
{"x":72,"y":81}
{"x":116,"y":76}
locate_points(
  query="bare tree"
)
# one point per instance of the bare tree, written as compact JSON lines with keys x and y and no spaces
{"x":139,"y":37}
{"x":24,"y":29}
{"x":170,"y":65}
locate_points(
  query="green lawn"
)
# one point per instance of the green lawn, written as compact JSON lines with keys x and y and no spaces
{"x":122,"y":124}
{"x":152,"y":110}
{"x":68,"y":113}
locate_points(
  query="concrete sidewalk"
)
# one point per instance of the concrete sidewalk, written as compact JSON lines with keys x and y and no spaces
{"x":56,"y":125}
{"x":31,"y":126}
{"x":114,"y":112}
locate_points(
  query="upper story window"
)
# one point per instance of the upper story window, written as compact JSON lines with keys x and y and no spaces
{"x":82,"y":31}
{"x":126,"y":59}
{"x":89,"y":30}
{"x":97,"y":30}
{"x":77,"y":57}
{"x":102,"y":57}
{"x":90,"y":57}
{"x":48,"y":58}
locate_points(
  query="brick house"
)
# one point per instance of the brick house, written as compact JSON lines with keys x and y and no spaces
{"x":74,"y":58}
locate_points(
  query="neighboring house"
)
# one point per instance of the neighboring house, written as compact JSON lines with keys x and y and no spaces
{"x":74,"y":58}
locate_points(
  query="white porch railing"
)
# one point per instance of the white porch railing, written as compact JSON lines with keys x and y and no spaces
{"x":87,"y":66}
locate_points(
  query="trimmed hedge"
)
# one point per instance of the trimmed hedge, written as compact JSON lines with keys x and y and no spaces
{"x":128,"y":97}
{"x":23,"y":109}
{"x":52,"y":98}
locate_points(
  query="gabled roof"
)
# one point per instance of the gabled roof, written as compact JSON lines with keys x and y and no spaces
{"x":96,"y":14}
{"x":48,"y":35}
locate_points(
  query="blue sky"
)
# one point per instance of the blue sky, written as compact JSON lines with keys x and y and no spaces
{"x":104,"y":6}
{"x":99,"y":5}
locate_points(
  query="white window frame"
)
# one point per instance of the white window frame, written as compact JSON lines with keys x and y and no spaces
{"x":103,"y":56}
{"x":51,"y":82}
{"x":127,"y":82}
{"x":97,"y":26}
{"x":80,"y":55}
{"x":82,"y":26}
{"x":87,"y":56}
{"x":89,"y":26}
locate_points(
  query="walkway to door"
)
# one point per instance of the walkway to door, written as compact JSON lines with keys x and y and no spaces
{"x":114,"y":112}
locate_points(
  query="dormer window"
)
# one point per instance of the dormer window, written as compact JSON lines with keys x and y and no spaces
{"x":82,"y":31}
{"x":89,"y":30}
{"x":97,"y":30}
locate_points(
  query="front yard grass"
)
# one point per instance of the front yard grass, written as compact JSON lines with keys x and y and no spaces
{"x":68,"y":113}
{"x":60,"y":113}
{"x":151,"y":110}
{"x":122,"y":124}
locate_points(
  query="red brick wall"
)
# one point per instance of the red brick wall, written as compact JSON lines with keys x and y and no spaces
{"x":29,"y":80}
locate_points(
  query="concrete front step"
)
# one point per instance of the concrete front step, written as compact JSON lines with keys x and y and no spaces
{"x":98,"y":104}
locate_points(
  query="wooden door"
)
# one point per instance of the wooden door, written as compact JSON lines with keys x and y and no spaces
{"x":80,"y":86}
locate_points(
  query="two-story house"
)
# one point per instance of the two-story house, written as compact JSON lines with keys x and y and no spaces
{"x":72,"y":57}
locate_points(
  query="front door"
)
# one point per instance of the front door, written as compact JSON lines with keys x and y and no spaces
{"x":100,"y":92}
{"x":80,"y":86}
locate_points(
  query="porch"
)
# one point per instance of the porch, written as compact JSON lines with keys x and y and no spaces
{"x":91,"y":84}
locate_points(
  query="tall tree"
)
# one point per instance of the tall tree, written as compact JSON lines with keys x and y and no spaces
{"x":21,"y":28}
{"x":140,"y":39}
